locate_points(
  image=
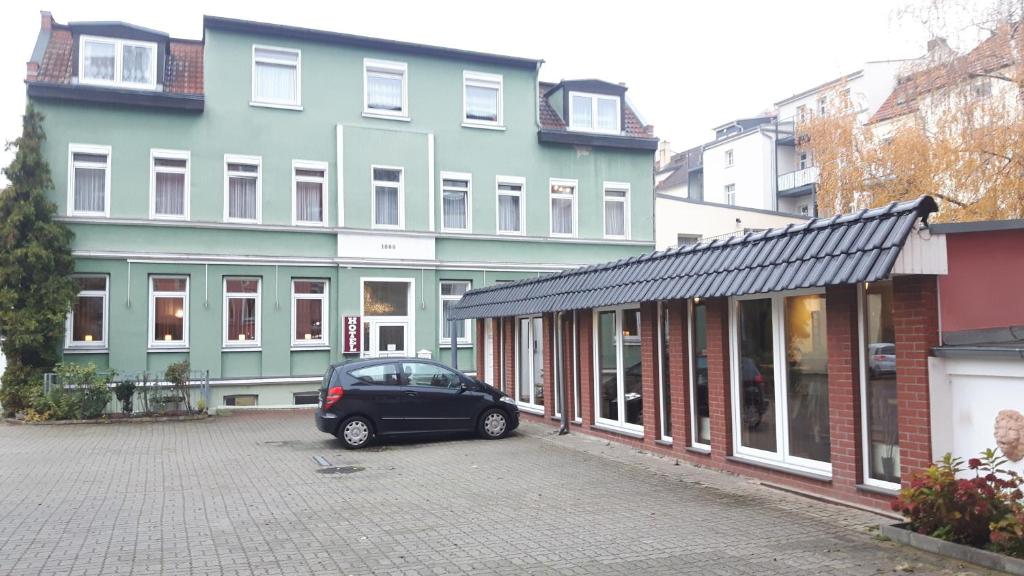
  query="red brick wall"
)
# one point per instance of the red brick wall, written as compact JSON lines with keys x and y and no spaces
{"x":585,"y":330}
{"x":844,"y":386}
{"x":719,"y":396}
{"x":915,"y":318}
{"x":496,"y":352}
{"x":481,"y":342}
{"x":568,"y":361}
{"x":509,"y":343}
{"x":649,"y":367}
{"x":548,"y":329}
{"x":679,"y":372}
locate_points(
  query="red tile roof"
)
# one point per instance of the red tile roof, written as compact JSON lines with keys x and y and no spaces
{"x":56,"y":65}
{"x":993,"y":54}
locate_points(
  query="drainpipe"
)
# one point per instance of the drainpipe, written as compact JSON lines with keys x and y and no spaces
{"x":560,"y":379}
{"x":455,"y":349}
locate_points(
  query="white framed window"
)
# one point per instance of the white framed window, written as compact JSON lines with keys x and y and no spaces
{"x":169,"y":181}
{"x":805,"y":161}
{"x":730,"y":194}
{"x":88,"y":180}
{"x":665,"y":370}
{"x":595,"y":113}
{"x":309,"y":193}
{"x":482,"y":99}
{"x":276,"y":77}
{"x":879,"y":407}
{"x":87,"y":324}
{"x":168,"y":312}
{"x":730,"y":158}
{"x":388,"y":197}
{"x":310,"y":314}
{"x":563,"y":207}
{"x":452,"y":291}
{"x":618,"y":370}
{"x":243,"y":188}
{"x":529,"y":383}
{"x":386,"y":89}
{"x":616,"y":210}
{"x":117,"y":62}
{"x":779,"y":372}
{"x":242,"y":312}
{"x":700,"y":408}
{"x":822,"y":105}
{"x":510,"y":204}
{"x":455,"y":201}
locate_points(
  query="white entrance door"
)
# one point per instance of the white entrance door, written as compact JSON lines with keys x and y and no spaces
{"x":488,"y":351}
{"x":389,"y":339}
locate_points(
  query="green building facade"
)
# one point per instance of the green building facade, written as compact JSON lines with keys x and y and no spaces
{"x":266,"y":200}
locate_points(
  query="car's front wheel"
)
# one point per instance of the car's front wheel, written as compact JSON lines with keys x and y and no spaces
{"x":355,"y":432}
{"x":493,"y":424}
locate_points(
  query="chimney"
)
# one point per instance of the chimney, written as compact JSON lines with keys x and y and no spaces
{"x":47,"y":20}
{"x":938,"y":49}
{"x":664,"y":153}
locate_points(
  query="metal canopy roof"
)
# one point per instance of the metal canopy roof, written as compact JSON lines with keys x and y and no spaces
{"x":844,"y":249}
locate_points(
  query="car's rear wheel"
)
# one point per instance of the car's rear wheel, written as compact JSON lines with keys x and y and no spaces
{"x":355,"y":432}
{"x":493,"y":424}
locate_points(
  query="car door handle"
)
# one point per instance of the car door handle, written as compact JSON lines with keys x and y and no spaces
{"x":411,"y":394}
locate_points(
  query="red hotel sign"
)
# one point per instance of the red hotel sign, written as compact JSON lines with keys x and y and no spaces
{"x":351,"y":338}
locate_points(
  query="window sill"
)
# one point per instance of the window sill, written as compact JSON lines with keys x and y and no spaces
{"x":89,"y":214}
{"x":311,"y":347}
{"x":618,"y":430}
{"x":456,"y":230}
{"x":615,"y":237}
{"x":167,"y":349}
{"x":878,"y":490}
{"x":379,"y":116}
{"x":802,"y":472}
{"x":510,"y":233}
{"x":169,"y":217}
{"x":495,"y":127}
{"x":241,"y":349}
{"x":530,"y":409}
{"x":305,"y":224}
{"x":663,"y":442}
{"x":297,"y":107}
{"x":241,"y":221}
{"x":83,"y":350}
{"x":448,"y":345}
{"x":699,"y":450}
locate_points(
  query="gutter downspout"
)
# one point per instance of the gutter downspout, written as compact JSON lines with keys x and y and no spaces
{"x":560,"y":374}
{"x":536,"y":92}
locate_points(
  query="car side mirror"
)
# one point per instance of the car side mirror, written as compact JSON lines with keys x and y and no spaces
{"x":462,"y":387}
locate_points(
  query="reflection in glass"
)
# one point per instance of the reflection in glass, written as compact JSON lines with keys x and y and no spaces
{"x":386,"y":298}
{"x":807,"y":377}
{"x":880,"y":402}
{"x":756,"y":375}
{"x":608,"y":402}
{"x":524,"y":359}
{"x":538,"y":361}
{"x":702,"y":417}
{"x":666,"y":388}
{"x":632,"y":371}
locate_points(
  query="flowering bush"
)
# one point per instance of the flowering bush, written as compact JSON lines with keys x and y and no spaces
{"x":983,"y":511}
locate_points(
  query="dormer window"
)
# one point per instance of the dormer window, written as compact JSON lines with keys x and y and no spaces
{"x":594,"y":113}
{"x":116,"y":62}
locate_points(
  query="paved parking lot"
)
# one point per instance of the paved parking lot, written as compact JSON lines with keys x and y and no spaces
{"x":243,"y":495}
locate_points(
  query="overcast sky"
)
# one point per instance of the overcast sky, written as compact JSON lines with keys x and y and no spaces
{"x":688,"y":65}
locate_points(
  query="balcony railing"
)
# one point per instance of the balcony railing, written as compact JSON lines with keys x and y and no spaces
{"x":798,"y":178}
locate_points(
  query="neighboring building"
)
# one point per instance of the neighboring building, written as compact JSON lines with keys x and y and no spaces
{"x":798,"y":356}
{"x":269,"y":199}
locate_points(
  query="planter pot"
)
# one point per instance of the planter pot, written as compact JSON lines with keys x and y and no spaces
{"x":993,"y":560}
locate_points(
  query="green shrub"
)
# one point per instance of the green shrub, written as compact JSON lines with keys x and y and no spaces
{"x":125,"y":393}
{"x":82,"y":393}
{"x":177,"y":374}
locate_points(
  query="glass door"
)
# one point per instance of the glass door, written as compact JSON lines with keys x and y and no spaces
{"x":389,"y":339}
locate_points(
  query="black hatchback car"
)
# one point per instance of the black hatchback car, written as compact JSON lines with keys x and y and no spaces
{"x":363,"y":399}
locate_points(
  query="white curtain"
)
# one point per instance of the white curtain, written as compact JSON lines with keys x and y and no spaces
{"x":99,"y":61}
{"x":384,"y":90}
{"x":561,"y":216}
{"x":309,"y":201}
{"x":581,"y":112}
{"x":170,"y":194}
{"x":508,"y":213}
{"x":481,"y":103}
{"x":386,"y":205}
{"x":454,"y":209}
{"x":614,"y":218}
{"x":135,"y":65}
{"x":607,"y":119}
{"x":276,"y":82}
{"x":90,"y":185}
{"x":242,"y":198}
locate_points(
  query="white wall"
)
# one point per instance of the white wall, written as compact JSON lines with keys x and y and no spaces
{"x":752,"y":171}
{"x":966,"y":395}
{"x":673,"y":217}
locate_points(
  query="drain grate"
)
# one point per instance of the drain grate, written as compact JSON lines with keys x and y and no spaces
{"x":340,"y":469}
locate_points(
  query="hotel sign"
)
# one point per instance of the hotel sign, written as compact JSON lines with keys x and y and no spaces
{"x":351,"y":339}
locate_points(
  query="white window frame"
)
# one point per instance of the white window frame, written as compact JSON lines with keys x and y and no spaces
{"x":89,"y":149}
{"x":865,"y":436}
{"x":511,"y":181}
{"x":529,"y":406}
{"x":468,"y":179}
{"x":780,"y":404}
{"x":255,"y":100}
{"x":324,"y":342}
{"x":95,"y":345}
{"x":730,"y":158}
{"x":159,"y":343}
{"x":618,"y":187}
{"x":242,"y":159}
{"x":619,"y":425}
{"x":119,"y":45}
{"x":309,"y":165}
{"x":661,"y":374}
{"x":484,"y":80}
{"x":593,"y":113}
{"x":401,"y":197}
{"x":161,"y":154}
{"x":373,"y":322}
{"x":730,"y":194}
{"x":552,"y":182}
{"x":467,"y":338}
{"x":692,"y":392}
{"x":253,"y":344}
{"x":388,"y":67}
